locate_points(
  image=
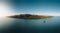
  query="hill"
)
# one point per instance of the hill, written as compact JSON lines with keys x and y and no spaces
{"x":29,"y":16}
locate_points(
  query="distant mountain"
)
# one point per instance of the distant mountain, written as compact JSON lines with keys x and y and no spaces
{"x":29,"y":16}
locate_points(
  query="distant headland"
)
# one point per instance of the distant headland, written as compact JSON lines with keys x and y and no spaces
{"x":29,"y":16}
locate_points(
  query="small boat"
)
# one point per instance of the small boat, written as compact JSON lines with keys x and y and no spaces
{"x":44,"y":21}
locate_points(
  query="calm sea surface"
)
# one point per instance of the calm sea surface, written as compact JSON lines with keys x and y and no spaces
{"x":12,"y":25}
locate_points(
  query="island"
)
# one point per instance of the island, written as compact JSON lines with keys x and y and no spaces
{"x":29,"y":16}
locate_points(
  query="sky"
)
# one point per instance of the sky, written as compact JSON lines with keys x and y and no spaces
{"x":5,"y":9}
{"x":40,"y":7}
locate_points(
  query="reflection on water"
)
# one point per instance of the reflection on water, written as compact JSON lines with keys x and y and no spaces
{"x":12,"y":25}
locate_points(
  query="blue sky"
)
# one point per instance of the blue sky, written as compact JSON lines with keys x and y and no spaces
{"x":36,"y":6}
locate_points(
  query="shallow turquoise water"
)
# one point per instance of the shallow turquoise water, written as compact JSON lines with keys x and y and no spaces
{"x":52,"y":25}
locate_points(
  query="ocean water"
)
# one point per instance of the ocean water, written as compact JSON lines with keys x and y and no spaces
{"x":13,"y":25}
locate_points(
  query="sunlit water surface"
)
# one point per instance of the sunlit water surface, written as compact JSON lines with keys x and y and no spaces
{"x":52,"y":25}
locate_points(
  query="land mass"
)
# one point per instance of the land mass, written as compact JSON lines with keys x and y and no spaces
{"x":29,"y":16}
